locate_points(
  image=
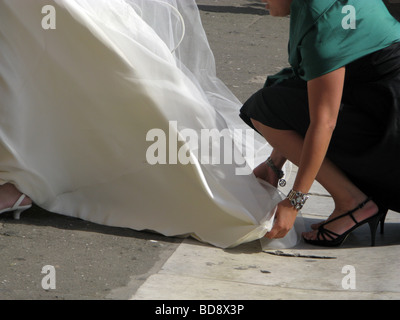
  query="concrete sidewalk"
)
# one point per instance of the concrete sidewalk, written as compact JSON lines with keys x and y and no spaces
{"x":353,"y":271}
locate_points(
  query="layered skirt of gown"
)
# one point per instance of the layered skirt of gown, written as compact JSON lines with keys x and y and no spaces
{"x":103,"y":105}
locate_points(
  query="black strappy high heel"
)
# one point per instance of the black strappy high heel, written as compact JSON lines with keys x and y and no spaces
{"x":382,"y":221}
{"x":332,"y":239}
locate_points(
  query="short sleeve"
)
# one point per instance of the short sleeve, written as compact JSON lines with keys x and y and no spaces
{"x":328,"y":44}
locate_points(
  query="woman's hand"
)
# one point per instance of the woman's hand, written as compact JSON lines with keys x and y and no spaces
{"x":284,"y":220}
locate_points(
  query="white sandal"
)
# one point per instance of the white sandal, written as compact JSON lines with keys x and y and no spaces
{"x":16,"y":208}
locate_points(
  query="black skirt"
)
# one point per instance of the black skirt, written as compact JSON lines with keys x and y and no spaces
{"x":366,"y":140}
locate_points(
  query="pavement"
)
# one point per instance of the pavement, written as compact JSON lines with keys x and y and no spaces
{"x":92,"y":262}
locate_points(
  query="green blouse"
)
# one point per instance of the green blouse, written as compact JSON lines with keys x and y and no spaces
{"x":326,"y":35}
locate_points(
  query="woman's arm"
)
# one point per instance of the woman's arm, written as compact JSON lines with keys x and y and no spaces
{"x":325,"y":95}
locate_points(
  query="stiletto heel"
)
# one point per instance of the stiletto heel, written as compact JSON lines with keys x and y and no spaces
{"x":373,"y":226}
{"x":17,"y":214}
{"x":328,"y":238}
{"x":17,"y":209}
{"x":382,"y":221}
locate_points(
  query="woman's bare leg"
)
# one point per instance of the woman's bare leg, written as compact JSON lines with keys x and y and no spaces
{"x":345,"y":194}
{"x":263,"y":171}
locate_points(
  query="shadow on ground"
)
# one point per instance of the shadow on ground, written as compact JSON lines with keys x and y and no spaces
{"x":251,"y":8}
{"x":39,"y":217}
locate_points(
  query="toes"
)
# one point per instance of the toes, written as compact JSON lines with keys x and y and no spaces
{"x":315,"y":226}
{"x":306,"y":235}
{"x":311,"y":235}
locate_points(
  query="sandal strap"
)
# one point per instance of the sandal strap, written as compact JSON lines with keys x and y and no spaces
{"x":322,"y":232}
{"x":18,"y":202}
{"x":349,"y":213}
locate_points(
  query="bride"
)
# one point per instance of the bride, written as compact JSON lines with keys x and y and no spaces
{"x":111,"y":112}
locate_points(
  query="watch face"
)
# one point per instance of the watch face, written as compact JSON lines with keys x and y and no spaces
{"x":297,"y":199}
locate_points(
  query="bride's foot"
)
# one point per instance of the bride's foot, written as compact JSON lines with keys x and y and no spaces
{"x":12,"y":200}
{"x":343,"y":224}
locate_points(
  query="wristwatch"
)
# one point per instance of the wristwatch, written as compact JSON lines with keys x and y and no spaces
{"x":297,"y":199}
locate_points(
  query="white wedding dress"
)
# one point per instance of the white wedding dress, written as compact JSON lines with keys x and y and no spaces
{"x":84,"y":82}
